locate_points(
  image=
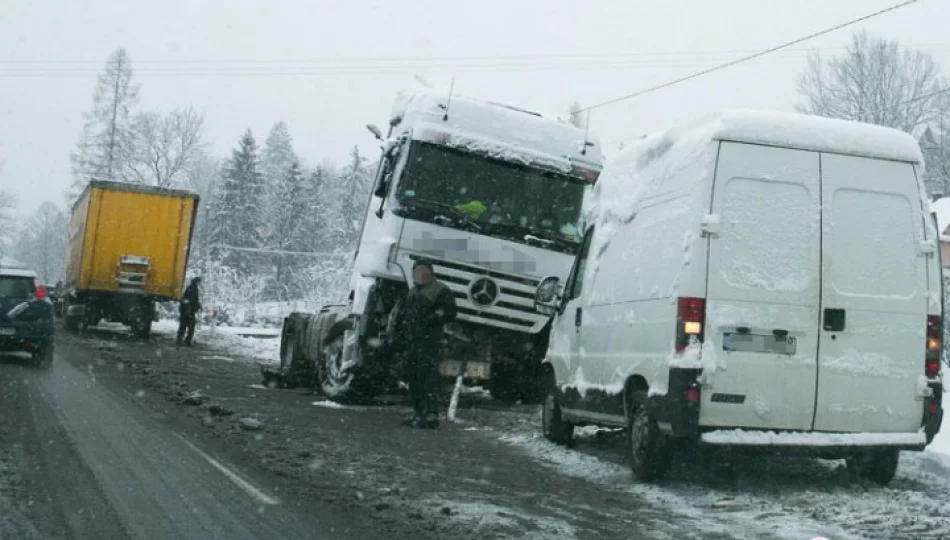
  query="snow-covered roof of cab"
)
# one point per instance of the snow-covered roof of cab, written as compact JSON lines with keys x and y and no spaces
{"x":808,"y":132}
{"x":493,"y":129}
{"x":13,"y":267}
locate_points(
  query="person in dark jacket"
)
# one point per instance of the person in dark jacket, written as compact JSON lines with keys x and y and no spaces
{"x":428,"y":307}
{"x":188,"y":312}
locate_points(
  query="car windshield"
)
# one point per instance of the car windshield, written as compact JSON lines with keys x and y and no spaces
{"x":507,"y":200}
{"x":15,"y":287}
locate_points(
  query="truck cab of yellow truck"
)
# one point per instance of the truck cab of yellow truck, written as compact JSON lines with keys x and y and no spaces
{"x":128,"y":249}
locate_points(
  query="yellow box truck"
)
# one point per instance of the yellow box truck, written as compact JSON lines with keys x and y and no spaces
{"x":128,"y":248}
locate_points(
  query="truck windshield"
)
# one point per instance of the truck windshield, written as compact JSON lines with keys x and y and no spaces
{"x":505,"y":200}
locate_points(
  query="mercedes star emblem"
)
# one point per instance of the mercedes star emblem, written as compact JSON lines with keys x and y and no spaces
{"x":484,"y":292}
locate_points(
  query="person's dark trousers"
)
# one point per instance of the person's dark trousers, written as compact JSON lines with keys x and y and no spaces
{"x":423,"y":388}
{"x":186,"y":328}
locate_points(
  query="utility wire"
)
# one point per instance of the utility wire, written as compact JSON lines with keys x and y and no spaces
{"x":749,"y":57}
{"x":96,"y":64}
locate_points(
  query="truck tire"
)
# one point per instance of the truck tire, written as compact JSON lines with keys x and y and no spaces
{"x":295,"y":366}
{"x":878,"y":466}
{"x":322,"y":325}
{"x":70,"y":322}
{"x":649,"y":449}
{"x":346,"y":380}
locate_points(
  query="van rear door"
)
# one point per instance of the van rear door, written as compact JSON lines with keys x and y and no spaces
{"x":763,"y":289}
{"x":875,"y":296}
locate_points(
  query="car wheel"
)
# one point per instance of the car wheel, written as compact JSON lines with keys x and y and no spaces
{"x":553,"y":426}
{"x":878,"y":466}
{"x":43,"y":358}
{"x":650,"y":452}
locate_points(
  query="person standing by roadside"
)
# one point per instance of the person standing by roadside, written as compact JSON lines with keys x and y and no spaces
{"x":188,"y":312}
{"x":425,"y":311}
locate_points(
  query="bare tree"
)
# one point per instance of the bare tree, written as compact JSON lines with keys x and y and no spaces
{"x":875,"y":81}
{"x":204,"y":177}
{"x":42,"y":242}
{"x":106,"y":135}
{"x":8,"y":203}
{"x":163,"y":147}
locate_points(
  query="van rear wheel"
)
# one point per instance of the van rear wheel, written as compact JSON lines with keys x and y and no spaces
{"x":650,"y":451}
{"x":878,"y":466}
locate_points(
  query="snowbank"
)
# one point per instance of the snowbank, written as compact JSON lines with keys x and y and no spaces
{"x":941,"y":207}
{"x":941,"y":443}
{"x":265,"y":350}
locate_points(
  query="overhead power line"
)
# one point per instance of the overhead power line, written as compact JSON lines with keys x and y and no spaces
{"x":750,"y":57}
{"x":451,"y":60}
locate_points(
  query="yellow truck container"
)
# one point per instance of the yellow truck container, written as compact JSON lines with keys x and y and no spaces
{"x":128,"y":248}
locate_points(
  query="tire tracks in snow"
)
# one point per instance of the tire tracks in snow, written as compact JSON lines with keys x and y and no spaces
{"x":780,"y":498}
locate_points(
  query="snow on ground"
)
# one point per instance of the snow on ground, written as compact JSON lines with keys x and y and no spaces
{"x":227,"y":339}
{"x":941,"y":442}
{"x":783,"y":498}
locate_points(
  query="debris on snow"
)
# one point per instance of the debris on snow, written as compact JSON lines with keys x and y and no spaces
{"x":251,"y":424}
{"x":329,"y":404}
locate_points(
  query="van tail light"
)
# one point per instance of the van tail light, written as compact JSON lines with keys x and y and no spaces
{"x":690,"y":322}
{"x":932,"y":357}
{"x":692,"y":394}
{"x":40,"y":291}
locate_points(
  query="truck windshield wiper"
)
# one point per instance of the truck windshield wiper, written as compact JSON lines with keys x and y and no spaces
{"x":455,"y":215}
{"x":547,"y":237}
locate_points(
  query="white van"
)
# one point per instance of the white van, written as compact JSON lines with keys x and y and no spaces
{"x":754,"y":280}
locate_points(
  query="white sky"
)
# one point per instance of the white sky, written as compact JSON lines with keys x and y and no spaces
{"x":327,"y":68}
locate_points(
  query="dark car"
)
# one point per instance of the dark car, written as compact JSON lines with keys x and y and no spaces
{"x":26,"y":315}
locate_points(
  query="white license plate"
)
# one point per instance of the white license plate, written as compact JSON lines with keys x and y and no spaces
{"x":7,"y":331}
{"x":473,"y":370}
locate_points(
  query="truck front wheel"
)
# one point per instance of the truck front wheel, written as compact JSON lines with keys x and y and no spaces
{"x":344,"y":374}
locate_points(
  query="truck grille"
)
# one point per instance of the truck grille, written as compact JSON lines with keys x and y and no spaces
{"x":512,"y":306}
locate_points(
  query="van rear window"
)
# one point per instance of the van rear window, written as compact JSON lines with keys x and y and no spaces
{"x":16,"y":287}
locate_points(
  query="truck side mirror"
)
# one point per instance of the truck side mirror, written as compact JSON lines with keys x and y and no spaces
{"x":375,"y":131}
{"x":547,"y":299}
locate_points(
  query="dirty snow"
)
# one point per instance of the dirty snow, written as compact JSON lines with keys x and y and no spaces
{"x":579,"y":383}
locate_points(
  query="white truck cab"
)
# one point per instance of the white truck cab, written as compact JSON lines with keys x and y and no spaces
{"x":492,"y":196}
{"x":755,"y":280}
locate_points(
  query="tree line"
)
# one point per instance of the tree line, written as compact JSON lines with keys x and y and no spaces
{"x":272,"y":226}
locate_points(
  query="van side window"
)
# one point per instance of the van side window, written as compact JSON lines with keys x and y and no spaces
{"x":577,"y":281}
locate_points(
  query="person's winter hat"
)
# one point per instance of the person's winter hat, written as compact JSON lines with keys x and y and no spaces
{"x":423,"y":262}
